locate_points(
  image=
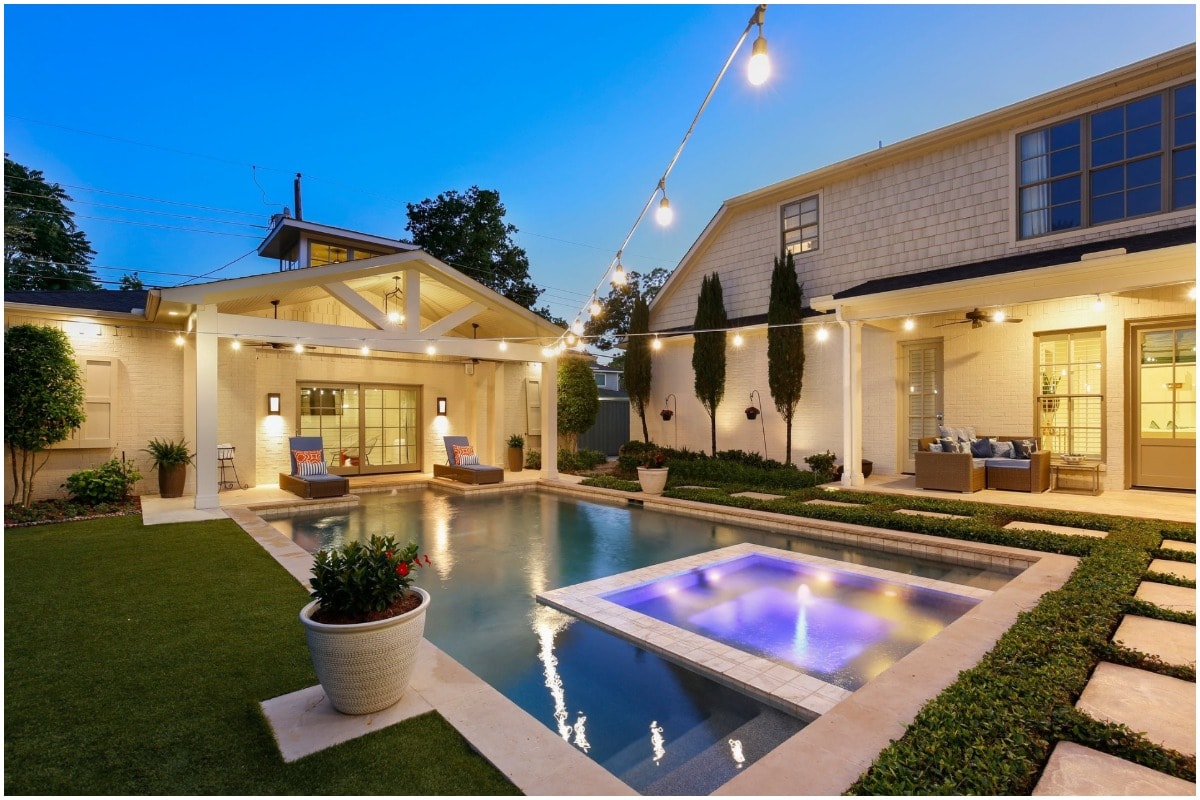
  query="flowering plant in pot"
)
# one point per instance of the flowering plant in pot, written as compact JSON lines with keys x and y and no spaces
{"x":365,"y":622}
{"x":652,"y":471}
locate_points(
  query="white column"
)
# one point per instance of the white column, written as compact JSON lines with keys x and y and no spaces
{"x":550,"y":419}
{"x":852,"y":403}
{"x":205,"y":433}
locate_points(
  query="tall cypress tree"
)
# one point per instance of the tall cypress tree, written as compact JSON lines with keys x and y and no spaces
{"x":637,"y":375}
{"x":785,"y":342}
{"x":708,"y":352}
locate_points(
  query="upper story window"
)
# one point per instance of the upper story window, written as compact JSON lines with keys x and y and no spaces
{"x":800,"y":226}
{"x":320,"y":253}
{"x":1128,"y":161}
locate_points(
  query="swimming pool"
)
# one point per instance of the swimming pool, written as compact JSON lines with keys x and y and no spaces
{"x":659,"y":727}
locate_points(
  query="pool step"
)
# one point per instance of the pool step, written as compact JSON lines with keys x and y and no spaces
{"x":697,"y":762}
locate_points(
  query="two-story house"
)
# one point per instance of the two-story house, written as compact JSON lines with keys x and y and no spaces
{"x":1029,"y":271}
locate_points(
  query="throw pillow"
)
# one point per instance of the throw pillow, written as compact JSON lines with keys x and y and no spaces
{"x":461,"y":450}
{"x":465,"y":460}
{"x":1003,"y":450}
{"x":944,"y":432}
{"x":309,"y":462}
{"x":981,"y":448}
{"x":949,"y":445}
{"x":935,"y":447}
{"x":1024,"y":448}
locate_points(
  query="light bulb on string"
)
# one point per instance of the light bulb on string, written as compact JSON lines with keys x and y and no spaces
{"x":656,"y":344}
{"x":664,"y":215}
{"x":595,"y":309}
{"x":738,"y":341}
{"x":759,"y":68}
{"x":236,"y":344}
{"x":503,"y":345}
{"x":577,"y":327}
{"x":618,"y":277}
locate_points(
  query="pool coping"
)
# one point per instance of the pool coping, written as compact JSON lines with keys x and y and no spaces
{"x":781,"y":685}
{"x":828,"y":755}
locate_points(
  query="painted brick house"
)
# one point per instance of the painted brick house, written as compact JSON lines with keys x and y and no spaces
{"x":1070,"y":216}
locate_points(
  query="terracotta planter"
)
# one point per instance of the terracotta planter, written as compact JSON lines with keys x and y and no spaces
{"x":366,"y":667}
{"x":171,"y":480}
{"x":516,"y":459}
{"x":653,"y":481}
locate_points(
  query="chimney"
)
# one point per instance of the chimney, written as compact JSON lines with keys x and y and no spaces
{"x":299,"y":212}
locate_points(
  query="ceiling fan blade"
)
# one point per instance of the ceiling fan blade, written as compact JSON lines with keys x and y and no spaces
{"x":955,"y":322}
{"x":1009,"y":319}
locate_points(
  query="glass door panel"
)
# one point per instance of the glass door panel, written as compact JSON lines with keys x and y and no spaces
{"x":922,"y":388}
{"x":365,"y":429}
{"x":1165,"y":408}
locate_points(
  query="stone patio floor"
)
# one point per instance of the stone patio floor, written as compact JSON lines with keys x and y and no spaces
{"x":540,"y":763}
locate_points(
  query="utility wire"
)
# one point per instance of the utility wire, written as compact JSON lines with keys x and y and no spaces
{"x":133,"y":210}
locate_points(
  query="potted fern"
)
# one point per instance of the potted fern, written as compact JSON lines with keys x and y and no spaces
{"x":170,"y":458}
{"x":365,"y":622}
{"x":516,"y":452}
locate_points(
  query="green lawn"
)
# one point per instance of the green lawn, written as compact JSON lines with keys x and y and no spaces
{"x":135,"y":660}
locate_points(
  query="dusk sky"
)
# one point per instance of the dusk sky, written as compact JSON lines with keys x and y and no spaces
{"x":571,"y":112}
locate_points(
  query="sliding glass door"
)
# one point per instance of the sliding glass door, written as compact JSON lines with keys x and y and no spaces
{"x":365,"y":428}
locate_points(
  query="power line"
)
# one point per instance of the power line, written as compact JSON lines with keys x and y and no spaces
{"x":136,"y":196}
{"x":133,"y":210}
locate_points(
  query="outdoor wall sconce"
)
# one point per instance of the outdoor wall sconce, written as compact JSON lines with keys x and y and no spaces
{"x":441,"y":406}
{"x":273,"y":404}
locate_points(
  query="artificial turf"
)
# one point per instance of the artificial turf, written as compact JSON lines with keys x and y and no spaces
{"x":136,"y":658}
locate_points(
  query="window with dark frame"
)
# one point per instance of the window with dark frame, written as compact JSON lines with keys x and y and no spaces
{"x":1131,"y":160}
{"x":800,"y":226}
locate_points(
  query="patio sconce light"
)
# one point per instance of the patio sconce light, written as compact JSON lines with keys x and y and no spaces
{"x":273,"y":404}
{"x":441,"y":406}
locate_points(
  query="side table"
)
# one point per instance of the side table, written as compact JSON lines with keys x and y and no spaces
{"x":1090,"y":469}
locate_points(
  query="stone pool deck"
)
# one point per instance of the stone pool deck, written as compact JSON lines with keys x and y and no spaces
{"x":824,"y":758}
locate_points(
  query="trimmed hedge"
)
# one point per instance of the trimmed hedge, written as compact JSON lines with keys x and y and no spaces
{"x":609,"y":482}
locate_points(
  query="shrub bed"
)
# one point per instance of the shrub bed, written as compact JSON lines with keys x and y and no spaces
{"x":609,"y":482}
{"x":44,"y":512}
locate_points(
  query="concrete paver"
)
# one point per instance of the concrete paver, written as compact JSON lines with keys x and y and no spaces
{"x":1183,"y":547}
{"x":1041,"y":526}
{"x":1075,"y":770}
{"x":759,"y":495}
{"x":1161,"y":707}
{"x":915,"y":512}
{"x":1173,"y":642}
{"x":1180,"y":568}
{"x":1164,"y":595}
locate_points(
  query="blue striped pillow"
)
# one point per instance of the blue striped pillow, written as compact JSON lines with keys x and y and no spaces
{"x":465,"y":460}
{"x":306,"y":468}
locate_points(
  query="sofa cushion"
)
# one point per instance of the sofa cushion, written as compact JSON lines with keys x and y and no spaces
{"x":1003,"y":450}
{"x":1009,"y":463}
{"x":981,"y":448}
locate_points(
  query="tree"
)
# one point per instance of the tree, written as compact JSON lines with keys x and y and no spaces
{"x":708,"y":352}
{"x":469,"y":233}
{"x":637,"y":375}
{"x":785,"y":342}
{"x":43,"y":399}
{"x":616,"y":309}
{"x":578,"y":400}
{"x":132,"y":282}
{"x":43,"y":249}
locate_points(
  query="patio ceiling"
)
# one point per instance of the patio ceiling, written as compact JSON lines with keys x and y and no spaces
{"x":342,"y":305}
{"x":1111,"y":272}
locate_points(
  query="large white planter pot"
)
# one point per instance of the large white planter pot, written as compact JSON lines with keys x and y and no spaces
{"x":365,"y":668}
{"x":653,"y":481}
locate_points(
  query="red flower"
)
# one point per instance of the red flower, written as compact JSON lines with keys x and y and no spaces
{"x":427,"y":560}
{"x":402,"y":569}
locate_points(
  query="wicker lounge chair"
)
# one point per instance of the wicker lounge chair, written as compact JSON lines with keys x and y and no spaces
{"x":321,"y":484}
{"x":465,"y":473}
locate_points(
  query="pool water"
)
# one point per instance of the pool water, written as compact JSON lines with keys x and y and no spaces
{"x":659,"y":727}
{"x":839,"y":626}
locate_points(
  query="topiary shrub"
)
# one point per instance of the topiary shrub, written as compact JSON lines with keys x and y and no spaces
{"x":107,"y":483}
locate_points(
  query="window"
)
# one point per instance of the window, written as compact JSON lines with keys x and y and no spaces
{"x":1069,"y":386}
{"x":1115,"y":164}
{"x":600,"y":379}
{"x":800,"y":226}
{"x":320,"y":254}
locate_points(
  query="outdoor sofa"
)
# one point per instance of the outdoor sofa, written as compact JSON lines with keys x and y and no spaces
{"x":971,"y":471}
{"x":310,"y":477}
{"x":462,"y":464}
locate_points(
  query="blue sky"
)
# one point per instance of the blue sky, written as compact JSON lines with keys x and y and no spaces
{"x":570,"y":112}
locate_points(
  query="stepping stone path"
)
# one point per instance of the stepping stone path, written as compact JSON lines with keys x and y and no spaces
{"x":759,"y":495}
{"x":1161,"y":707}
{"x":1041,"y":526}
{"x":1185,"y":547}
{"x":832,"y":503}
{"x":913,"y":512}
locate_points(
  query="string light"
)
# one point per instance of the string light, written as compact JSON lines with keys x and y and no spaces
{"x":577,"y":327}
{"x":1099,"y":304}
{"x":179,"y":339}
{"x":998,"y":316}
{"x":366,"y":351}
{"x":503,"y":346}
{"x":656,"y":344}
{"x":299,"y":348}
{"x":430,"y":349}
{"x":758,"y":71}
{"x":595,"y":308}
{"x":822,"y":333}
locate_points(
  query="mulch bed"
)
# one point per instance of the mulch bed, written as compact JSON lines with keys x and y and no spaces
{"x":46,"y":512}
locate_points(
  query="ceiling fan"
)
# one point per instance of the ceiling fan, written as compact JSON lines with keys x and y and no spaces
{"x":977,"y":318}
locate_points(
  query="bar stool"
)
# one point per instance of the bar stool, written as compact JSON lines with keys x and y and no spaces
{"x":225,"y":465}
